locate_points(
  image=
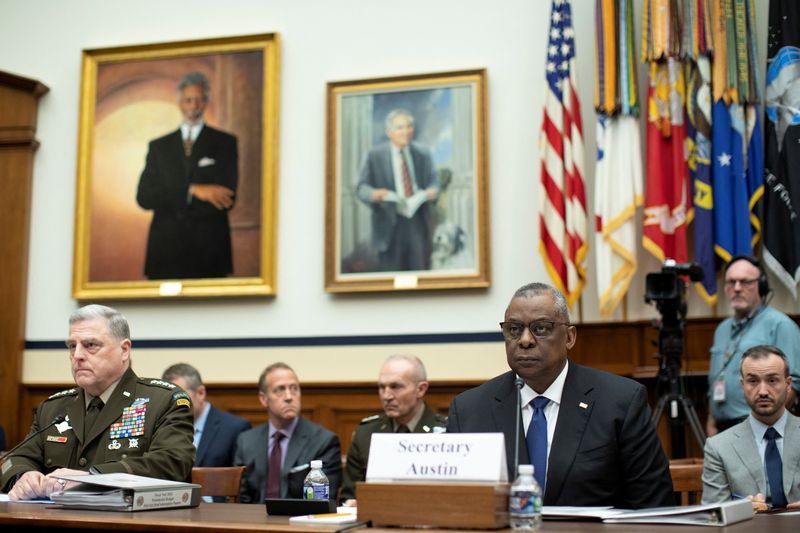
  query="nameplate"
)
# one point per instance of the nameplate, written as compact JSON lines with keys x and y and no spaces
{"x":437,"y":456}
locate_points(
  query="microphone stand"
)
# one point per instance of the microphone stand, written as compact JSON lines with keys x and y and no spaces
{"x":56,"y":420}
{"x":519,"y":383}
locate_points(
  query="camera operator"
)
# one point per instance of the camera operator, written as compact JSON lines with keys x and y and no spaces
{"x":753,"y":323}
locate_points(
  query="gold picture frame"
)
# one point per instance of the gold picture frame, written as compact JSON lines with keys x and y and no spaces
{"x":141,"y":230}
{"x":425,"y":136}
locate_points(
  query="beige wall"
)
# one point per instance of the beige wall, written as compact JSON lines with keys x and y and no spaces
{"x":322,"y":41}
{"x":452,"y":361}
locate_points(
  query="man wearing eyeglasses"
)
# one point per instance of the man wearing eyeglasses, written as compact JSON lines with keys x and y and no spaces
{"x":753,"y":323}
{"x":588,"y":433}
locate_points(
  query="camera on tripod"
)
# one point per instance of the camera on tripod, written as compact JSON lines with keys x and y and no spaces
{"x":667,"y":289}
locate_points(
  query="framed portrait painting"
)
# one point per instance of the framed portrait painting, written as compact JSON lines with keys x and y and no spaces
{"x":177,"y":170}
{"x":407,"y":203}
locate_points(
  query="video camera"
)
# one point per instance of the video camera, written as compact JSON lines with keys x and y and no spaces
{"x":668,"y":289}
{"x":667,"y":284}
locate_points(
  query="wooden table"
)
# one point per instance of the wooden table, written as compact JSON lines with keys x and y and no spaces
{"x":233,"y":517}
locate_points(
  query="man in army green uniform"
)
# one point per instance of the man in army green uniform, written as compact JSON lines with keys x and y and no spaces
{"x":113,"y":421}
{"x":402,"y":384}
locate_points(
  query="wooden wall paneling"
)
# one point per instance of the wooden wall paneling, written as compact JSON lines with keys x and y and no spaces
{"x":18,"y":112}
{"x":338,"y":407}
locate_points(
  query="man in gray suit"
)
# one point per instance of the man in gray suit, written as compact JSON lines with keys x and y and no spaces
{"x":277,"y":454}
{"x":395,"y":178}
{"x":761,"y":455}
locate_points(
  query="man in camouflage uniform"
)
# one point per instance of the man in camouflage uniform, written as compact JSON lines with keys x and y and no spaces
{"x":402,"y":384}
{"x":113,"y":421}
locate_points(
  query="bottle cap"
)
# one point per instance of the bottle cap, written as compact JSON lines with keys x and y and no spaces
{"x":316,"y":463}
{"x":523,"y":469}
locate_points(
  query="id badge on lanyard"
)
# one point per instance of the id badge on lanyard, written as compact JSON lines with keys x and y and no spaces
{"x":718,"y":394}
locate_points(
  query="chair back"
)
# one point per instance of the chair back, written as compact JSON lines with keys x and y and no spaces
{"x":687,"y":479}
{"x":223,"y":481}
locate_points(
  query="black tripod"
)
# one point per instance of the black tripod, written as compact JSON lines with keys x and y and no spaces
{"x":670,"y":344}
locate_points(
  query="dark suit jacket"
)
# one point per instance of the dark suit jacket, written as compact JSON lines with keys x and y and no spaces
{"x":605,"y":450}
{"x":309,"y":442}
{"x":189,"y":238}
{"x":377,"y":173}
{"x":162,"y":447}
{"x":358,"y":454}
{"x":218,"y":442}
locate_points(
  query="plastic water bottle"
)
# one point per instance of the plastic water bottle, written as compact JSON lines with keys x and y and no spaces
{"x":525,"y":501}
{"x":316,"y":485}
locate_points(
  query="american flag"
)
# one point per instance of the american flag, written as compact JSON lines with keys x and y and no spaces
{"x":562,"y":198}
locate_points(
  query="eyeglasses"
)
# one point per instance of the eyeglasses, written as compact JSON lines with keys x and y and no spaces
{"x":743,"y":282}
{"x":541,"y":329}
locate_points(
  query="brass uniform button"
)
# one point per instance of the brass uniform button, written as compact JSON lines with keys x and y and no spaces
{"x":82,"y":461}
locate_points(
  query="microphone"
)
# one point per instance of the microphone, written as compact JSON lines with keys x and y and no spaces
{"x":56,"y":420}
{"x":519,"y":383}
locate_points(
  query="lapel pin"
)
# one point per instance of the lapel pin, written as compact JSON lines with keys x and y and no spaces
{"x":583,"y":405}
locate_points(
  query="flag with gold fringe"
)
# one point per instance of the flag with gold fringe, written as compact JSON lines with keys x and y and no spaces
{"x":737,"y":154}
{"x":562,"y":199}
{"x":618,"y":174}
{"x":667,"y":202}
{"x":698,"y":47}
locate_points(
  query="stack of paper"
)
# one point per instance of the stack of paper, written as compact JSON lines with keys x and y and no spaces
{"x":720,"y":514}
{"x":126,"y":492}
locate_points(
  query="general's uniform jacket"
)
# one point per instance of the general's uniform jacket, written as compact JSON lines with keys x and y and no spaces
{"x":146,"y":429}
{"x":357,"y":455}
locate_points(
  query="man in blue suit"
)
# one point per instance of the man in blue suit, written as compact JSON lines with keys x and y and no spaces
{"x":215,"y":431}
{"x":591,"y":438}
{"x":398,"y":181}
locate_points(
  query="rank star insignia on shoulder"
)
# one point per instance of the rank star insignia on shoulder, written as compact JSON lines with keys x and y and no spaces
{"x":161,"y":383}
{"x":369,"y":419}
{"x":60,"y":394}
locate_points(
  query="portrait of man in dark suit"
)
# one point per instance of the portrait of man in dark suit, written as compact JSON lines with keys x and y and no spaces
{"x":588,"y":433}
{"x":398,"y":180}
{"x":189,"y":183}
{"x":177,"y":161}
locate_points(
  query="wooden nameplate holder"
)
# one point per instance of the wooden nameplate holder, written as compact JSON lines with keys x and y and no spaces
{"x":434,"y":504}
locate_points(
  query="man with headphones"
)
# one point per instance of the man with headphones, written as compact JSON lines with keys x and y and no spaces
{"x":753,"y":323}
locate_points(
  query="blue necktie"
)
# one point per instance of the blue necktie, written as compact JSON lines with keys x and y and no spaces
{"x":772,"y":458}
{"x":537,"y":440}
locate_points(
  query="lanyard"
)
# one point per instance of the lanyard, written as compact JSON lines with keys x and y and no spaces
{"x":736,"y":339}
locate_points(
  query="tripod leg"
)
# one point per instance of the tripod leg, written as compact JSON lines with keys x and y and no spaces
{"x":659,"y":410}
{"x":694,"y":421}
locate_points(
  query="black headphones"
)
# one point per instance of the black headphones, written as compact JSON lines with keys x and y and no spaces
{"x":763,"y":282}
